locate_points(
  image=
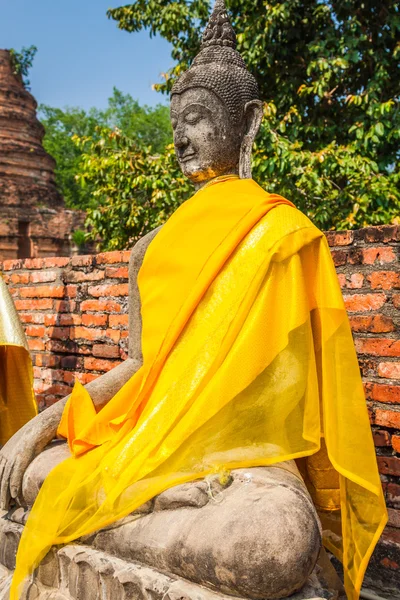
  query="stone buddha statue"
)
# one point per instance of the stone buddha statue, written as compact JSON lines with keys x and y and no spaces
{"x":256,"y":534}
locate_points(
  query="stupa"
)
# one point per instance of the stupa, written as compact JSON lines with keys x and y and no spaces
{"x":33,"y":219}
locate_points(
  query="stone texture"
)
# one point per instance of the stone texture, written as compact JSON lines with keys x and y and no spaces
{"x":33,"y":218}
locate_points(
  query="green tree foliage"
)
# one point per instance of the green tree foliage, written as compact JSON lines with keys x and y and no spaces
{"x":22,"y":63}
{"x":134,"y":189}
{"x":328,"y":72}
{"x":143,"y":125}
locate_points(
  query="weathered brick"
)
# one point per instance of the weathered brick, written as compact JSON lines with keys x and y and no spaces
{"x":339,"y":257}
{"x":120,"y":289}
{"x":12,"y":265}
{"x":113,"y":334}
{"x":364,"y":302}
{"x":387,"y":418}
{"x":43,"y":276}
{"x":99,"y":364}
{"x":394,"y":518}
{"x":42,"y":291}
{"x":381,"y":438}
{"x":117,"y":272}
{"x":43,"y":304}
{"x":19,"y":278}
{"x":94,"y":320}
{"x":126,"y":255}
{"x":396,"y":443}
{"x":62,"y":319}
{"x":32,"y":317}
{"x":57,"y":261}
{"x":378,"y":346}
{"x":379,"y":233}
{"x":396,"y":300}
{"x":392,"y":494}
{"x":389,"y":394}
{"x":372,"y":323}
{"x":339,"y":238}
{"x":72,"y":362}
{"x":105,"y":351}
{"x":47,"y":360}
{"x":59,"y":333}
{"x":82,"y":261}
{"x":389,"y":370}
{"x":35,"y":330}
{"x":379,"y":254}
{"x":61,"y":347}
{"x":107,"y":306}
{"x":389,"y":465}
{"x":65,"y":306}
{"x":384,"y":280}
{"x":118,"y":320}
{"x":35,"y":344}
{"x":109,"y":257}
{"x":79,"y":276}
{"x":85,"y":378}
{"x":33,"y":263}
{"x":87,"y":333}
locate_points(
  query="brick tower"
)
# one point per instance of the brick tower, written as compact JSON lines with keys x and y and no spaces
{"x":33,"y":219}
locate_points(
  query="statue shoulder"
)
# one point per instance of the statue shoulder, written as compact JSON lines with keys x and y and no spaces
{"x":285,"y":219}
{"x":139,"y":250}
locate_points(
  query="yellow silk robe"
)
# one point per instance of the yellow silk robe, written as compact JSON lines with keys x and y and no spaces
{"x":248,"y":360}
{"x":17,"y":400}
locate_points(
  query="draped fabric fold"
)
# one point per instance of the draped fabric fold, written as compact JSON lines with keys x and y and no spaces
{"x":248,"y":360}
{"x":17,"y":400}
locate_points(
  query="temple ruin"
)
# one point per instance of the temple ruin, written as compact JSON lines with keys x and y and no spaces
{"x":33,"y":219}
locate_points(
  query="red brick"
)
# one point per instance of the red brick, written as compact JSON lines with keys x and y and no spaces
{"x":65,"y":306}
{"x":105,"y":351}
{"x":99,"y":364}
{"x":100,"y":306}
{"x":35,"y":344}
{"x":47,"y":360}
{"x":388,"y":563}
{"x":384,"y":280}
{"x":121,"y":289}
{"x":364,"y":302}
{"x":43,"y":304}
{"x":379,"y":233}
{"x":396,"y":300}
{"x":342,"y":280}
{"x":32,"y":317}
{"x":394,"y":518}
{"x":87,"y":333}
{"x":109,"y":257}
{"x":79,"y":276}
{"x":381,"y":438}
{"x":57,"y":261}
{"x":62,"y":319}
{"x":355,"y":281}
{"x":32,"y":263}
{"x":117,"y":272}
{"x":72,"y":362}
{"x":61,"y":347}
{"x":85,"y":378}
{"x":43,"y":276}
{"x":35,"y":330}
{"x":391,"y":535}
{"x":392,"y":493}
{"x":59,"y":333}
{"x":71,"y":291}
{"x":118,"y":320}
{"x":396,"y":443}
{"x":380,"y":254}
{"x":94,"y":320}
{"x":389,"y":370}
{"x":339,"y":257}
{"x":12,"y":265}
{"x":389,"y":465}
{"x":42,"y":291}
{"x":59,"y":389}
{"x":16,"y":278}
{"x":126,"y":255}
{"x":82,"y":261}
{"x":372,"y":324}
{"x":339,"y":238}
{"x":389,"y":394}
{"x":387,"y":418}
{"x":378,"y":346}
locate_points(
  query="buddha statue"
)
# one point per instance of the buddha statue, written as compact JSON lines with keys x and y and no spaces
{"x":251,"y":529}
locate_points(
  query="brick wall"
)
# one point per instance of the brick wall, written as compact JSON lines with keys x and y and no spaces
{"x":75,"y":313}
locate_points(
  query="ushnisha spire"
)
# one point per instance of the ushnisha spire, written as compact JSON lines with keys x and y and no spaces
{"x":219,"y":67}
{"x":219,"y":31}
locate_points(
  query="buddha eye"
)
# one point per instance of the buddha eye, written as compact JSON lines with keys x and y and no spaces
{"x":193,"y":117}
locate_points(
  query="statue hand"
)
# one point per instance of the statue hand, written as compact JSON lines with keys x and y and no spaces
{"x":17,"y":454}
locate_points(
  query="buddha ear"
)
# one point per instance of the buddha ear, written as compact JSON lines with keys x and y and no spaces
{"x":253,"y":114}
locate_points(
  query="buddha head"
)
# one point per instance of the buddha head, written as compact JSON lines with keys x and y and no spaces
{"x":215,"y":107}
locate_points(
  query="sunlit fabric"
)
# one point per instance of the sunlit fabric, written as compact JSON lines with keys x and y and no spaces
{"x":248,"y":361}
{"x":17,"y":400}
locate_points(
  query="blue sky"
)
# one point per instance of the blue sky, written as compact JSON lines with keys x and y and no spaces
{"x":82,"y":54}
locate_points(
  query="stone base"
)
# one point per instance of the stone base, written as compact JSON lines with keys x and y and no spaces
{"x":80,"y":572}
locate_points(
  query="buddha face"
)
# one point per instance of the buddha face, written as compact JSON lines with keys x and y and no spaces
{"x":207,"y":143}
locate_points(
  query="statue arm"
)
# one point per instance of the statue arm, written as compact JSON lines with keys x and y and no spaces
{"x":30,"y":440}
